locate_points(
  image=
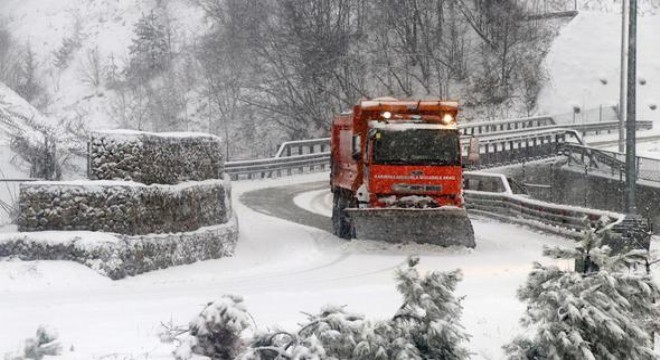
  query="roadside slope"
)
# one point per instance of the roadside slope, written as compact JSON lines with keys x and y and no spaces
{"x":584,"y":61}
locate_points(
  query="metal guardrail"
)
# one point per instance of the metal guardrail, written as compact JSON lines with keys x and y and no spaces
{"x":640,"y":139}
{"x":275,"y":167}
{"x":565,"y":220}
{"x":496,"y":149}
{"x":491,"y":195}
{"x":488,"y":127}
{"x":610,"y":163}
{"x":20,"y":180}
{"x":302,"y":147}
{"x":530,"y":146}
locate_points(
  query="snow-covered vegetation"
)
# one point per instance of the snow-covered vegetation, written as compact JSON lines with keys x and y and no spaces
{"x":606,"y":309}
{"x":257,"y":74}
{"x":426,"y":326}
{"x":44,"y":344}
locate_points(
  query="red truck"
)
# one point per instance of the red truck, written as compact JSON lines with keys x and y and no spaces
{"x":396,"y":173}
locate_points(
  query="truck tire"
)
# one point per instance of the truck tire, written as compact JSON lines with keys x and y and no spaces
{"x":341,"y":224}
{"x":335,"y":213}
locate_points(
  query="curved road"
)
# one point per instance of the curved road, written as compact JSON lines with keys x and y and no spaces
{"x":278,"y":202}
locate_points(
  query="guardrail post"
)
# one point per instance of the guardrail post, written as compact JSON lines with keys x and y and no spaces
{"x":514,"y":152}
{"x":486,"y":159}
{"x":528,"y":151}
{"x":496,"y":154}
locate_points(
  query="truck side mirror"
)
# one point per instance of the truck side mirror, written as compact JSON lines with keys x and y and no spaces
{"x":356,"y":147}
{"x":473,"y":150}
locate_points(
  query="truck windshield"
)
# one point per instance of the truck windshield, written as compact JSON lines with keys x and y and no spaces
{"x":417,"y":147}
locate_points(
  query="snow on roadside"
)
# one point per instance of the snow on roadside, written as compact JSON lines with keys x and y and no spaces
{"x":584,"y":60}
{"x":281,"y":269}
{"x":318,"y":202}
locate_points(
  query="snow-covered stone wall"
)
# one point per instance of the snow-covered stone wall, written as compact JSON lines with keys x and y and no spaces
{"x":154,"y":158}
{"x":155,"y":200}
{"x":118,"y":256}
{"x":123,"y":207}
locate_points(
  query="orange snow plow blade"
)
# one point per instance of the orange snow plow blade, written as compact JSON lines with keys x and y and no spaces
{"x":445,"y":226}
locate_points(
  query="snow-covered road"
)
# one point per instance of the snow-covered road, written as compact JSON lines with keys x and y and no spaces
{"x":280,"y":268}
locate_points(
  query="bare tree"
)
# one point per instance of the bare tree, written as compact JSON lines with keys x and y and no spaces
{"x":90,"y":68}
{"x":10,"y":59}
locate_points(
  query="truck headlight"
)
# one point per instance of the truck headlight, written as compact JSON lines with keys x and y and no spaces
{"x":447,"y":119}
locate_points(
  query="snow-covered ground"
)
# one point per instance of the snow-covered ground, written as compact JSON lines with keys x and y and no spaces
{"x":280,"y":268}
{"x":584,"y":61}
{"x":105,"y":26}
{"x":651,"y":150}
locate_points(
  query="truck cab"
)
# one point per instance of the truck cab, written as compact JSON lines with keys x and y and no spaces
{"x":391,"y":154}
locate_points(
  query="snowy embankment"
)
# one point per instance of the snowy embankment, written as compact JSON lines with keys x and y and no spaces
{"x":584,"y":66}
{"x":17,"y":118}
{"x":280,"y":268}
{"x":104,"y":27}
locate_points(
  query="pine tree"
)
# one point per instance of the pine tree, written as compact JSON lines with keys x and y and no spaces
{"x":150,"y":49}
{"x":430,"y":313}
{"x":425,"y":327}
{"x":217,"y":330}
{"x":44,"y":344}
{"x":608,"y":312}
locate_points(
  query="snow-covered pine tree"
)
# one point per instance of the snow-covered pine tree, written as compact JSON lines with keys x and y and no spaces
{"x":609,"y":311}
{"x":44,"y":344}
{"x":217,"y":330}
{"x":425,"y":327}
{"x":430,"y":314}
{"x":150,"y":49}
{"x":334,"y":333}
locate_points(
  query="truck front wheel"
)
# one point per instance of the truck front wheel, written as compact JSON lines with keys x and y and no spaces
{"x":341,"y":224}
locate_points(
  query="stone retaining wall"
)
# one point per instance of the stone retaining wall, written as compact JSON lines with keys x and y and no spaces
{"x":118,"y":256}
{"x":154,"y":158}
{"x":153,"y":201}
{"x":123,"y":207}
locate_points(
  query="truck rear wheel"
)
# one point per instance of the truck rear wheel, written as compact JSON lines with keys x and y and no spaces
{"x":341,"y":224}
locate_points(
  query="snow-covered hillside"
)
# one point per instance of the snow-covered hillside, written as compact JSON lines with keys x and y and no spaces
{"x":20,"y":120}
{"x":645,"y":7}
{"x":105,"y":26}
{"x":17,"y":117}
{"x":584,"y":61}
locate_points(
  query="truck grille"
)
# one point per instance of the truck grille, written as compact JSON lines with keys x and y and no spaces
{"x":416,"y":188}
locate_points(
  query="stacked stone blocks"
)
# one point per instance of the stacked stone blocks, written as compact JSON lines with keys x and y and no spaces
{"x":143,"y":185}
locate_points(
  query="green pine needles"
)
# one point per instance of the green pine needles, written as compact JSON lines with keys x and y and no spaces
{"x":426,"y":326}
{"x":606,"y":309}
